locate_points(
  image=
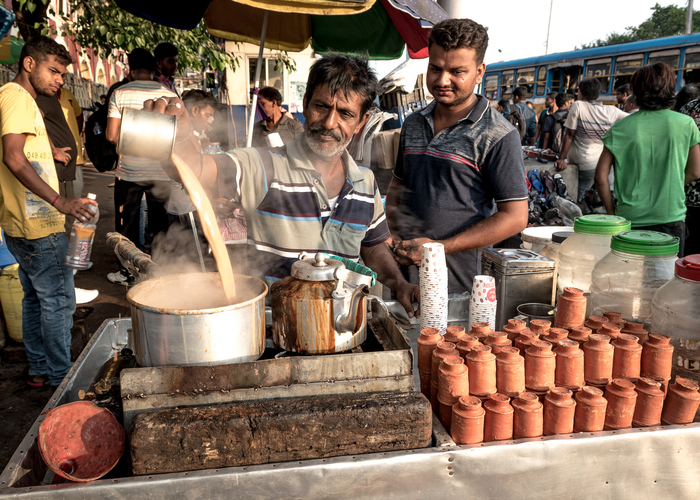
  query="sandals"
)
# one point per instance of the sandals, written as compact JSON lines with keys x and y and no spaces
{"x":534,"y":178}
{"x":38,"y":381}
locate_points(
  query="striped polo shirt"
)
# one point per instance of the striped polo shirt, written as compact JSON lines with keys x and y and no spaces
{"x":287,"y":208}
{"x":132,"y":95}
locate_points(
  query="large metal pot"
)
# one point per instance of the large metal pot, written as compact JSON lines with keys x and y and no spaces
{"x":167,"y":336}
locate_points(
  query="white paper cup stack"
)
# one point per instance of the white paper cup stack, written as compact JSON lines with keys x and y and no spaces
{"x":433,"y":287}
{"x":483,"y":303}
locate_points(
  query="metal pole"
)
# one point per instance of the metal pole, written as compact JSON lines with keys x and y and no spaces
{"x":689,"y":18}
{"x":258,"y":67}
{"x":546,"y":44}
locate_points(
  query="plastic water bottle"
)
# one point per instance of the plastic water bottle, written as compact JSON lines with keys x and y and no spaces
{"x":81,"y":238}
{"x":97,"y":129}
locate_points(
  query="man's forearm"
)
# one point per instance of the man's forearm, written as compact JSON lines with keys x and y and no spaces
{"x":566,"y":145}
{"x":380,"y":259}
{"x":25,"y":173}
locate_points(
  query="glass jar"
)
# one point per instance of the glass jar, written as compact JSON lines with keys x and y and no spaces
{"x":626,"y":279}
{"x":674,"y":311}
{"x":551,"y":251}
{"x":580,"y":252}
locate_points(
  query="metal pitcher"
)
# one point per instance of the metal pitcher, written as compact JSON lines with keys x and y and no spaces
{"x":146,"y":135}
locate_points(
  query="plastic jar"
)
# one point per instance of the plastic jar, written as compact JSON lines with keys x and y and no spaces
{"x":625,"y":280}
{"x":551,"y":251}
{"x":674,"y":311}
{"x":580,"y":252}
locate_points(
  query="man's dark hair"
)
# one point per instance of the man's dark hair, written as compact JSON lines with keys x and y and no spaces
{"x":271,"y":94}
{"x":199,"y":98}
{"x":590,"y":89}
{"x":164,"y":50}
{"x":504,"y":102}
{"x":561,"y":99}
{"x":40,"y":47}
{"x":623,"y":89}
{"x":685,"y":95}
{"x":141,"y":59}
{"x":553,"y":95}
{"x":520,"y":92}
{"x":654,"y":86}
{"x":344,"y":74}
{"x":460,"y":34}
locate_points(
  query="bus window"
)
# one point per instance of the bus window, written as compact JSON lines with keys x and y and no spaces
{"x":491,"y":86}
{"x":669,"y":57}
{"x":691,"y":66}
{"x":625,"y":66}
{"x":526,"y":78}
{"x":600,"y":69}
{"x":541,"y":83}
{"x":507,"y":84}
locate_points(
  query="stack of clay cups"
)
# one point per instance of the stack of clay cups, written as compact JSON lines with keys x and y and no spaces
{"x":433,"y":287}
{"x":482,"y":307}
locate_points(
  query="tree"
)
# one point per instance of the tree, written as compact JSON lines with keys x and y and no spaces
{"x":664,"y":21}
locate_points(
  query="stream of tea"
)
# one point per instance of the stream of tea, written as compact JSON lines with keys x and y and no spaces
{"x":209,"y":225}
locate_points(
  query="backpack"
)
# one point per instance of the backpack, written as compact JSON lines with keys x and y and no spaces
{"x":102,"y":153}
{"x":517,"y":120}
{"x":558,"y":132}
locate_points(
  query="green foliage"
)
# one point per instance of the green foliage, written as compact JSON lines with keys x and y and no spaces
{"x":664,"y":21}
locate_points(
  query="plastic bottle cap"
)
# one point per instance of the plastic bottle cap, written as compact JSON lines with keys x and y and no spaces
{"x":689,"y":267}
{"x":561,"y":236}
{"x":92,"y":196}
{"x":645,"y":243}
{"x":601,"y":224}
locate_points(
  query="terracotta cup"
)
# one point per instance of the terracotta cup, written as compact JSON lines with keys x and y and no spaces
{"x":555,"y":335}
{"x":571,"y":308}
{"x":454,"y":334}
{"x":441,"y":351}
{"x":480,"y":331}
{"x":510,"y":372}
{"x":498,"y":421}
{"x":524,"y":340}
{"x":621,"y":398}
{"x":598,"y":359}
{"x":682,"y":402}
{"x":569,"y":371}
{"x":627,"y":359}
{"x":613,"y":317}
{"x":540,"y":366}
{"x":427,"y":340}
{"x":497,"y":341}
{"x":664,"y":382}
{"x":481,"y":363}
{"x":657,"y":356}
{"x":513,"y":328}
{"x":636,"y":329}
{"x":650,"y":403}
{"x":590,"y":410}
{"x":559,"y":410}
{"x":528,"y":416}
{"x":595,"y":322}
{"x":465,"y":345}
{"x":580,"y":334}
{"x":612,"y":330}
{"x":540,"y":326}
{"x":453,"y":379}
{"x":467,"y":423}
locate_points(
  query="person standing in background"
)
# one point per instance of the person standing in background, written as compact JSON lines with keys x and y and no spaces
{"x":550,"y":106}
{"x":519,"y":95}
{"x":166,"y":65}
{"x":278,"y":121}
{"x":692,"y":193}
{"x":73,"y":114}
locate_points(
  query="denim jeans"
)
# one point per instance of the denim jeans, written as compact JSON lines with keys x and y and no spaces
{"x":48,"y":304}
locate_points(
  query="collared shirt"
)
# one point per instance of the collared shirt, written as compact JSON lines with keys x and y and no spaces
{"x":287,"y":128}
{"x":451,"y":180}
{"x":288,"y":210}
{"x":167,"y":81}
{"x":591,"y":120}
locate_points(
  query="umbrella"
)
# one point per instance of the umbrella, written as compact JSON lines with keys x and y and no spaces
{"x":379,"y":28}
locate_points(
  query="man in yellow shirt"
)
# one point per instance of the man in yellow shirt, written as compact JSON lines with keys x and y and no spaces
{"x":32,"y":211}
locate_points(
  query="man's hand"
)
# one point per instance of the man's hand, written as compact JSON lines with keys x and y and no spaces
{"x":409,"y":252}
{"x":408,"y":294}
{"x":171,"y":106}
{"x":61,"y":155}
{"x":77,"y":207}
{"x":561,"y":165}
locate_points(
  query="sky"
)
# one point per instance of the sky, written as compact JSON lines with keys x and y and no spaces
{"x":518,"y":28}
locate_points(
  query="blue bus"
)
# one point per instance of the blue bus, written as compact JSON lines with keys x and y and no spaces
{"x":612,"y":65}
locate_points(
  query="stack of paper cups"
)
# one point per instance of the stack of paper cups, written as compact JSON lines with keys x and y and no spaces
{"x":433,"y":288}
{"x":482,"y":306}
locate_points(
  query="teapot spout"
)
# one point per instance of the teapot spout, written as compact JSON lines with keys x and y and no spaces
{"x":345,"y":320}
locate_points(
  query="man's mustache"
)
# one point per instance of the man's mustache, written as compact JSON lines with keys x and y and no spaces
{"x":325,"y":132}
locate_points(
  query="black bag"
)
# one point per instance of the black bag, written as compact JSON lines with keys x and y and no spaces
{"x":558,"y":132}
{"x":102,"y":153}
{"x":517,"y":120}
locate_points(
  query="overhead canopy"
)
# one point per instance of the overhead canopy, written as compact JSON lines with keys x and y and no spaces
{"x":10,"y":49}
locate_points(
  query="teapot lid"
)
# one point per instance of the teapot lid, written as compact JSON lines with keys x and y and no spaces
{"x":317,"y":268}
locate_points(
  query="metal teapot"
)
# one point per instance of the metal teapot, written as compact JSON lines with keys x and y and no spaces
{"x":320,"y":308}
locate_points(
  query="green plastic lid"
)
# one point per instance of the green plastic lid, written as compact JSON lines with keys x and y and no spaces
{"x":601,"y":224}
{"x":645,"y":243}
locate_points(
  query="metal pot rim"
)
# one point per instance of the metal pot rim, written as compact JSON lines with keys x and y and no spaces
{"x":185,"y":312}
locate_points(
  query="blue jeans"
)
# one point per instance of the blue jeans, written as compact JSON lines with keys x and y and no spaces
{"x":585,"y":182}
{"x":48,"y":304}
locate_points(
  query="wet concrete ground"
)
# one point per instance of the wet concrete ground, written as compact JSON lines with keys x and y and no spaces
{"x":20,"y":404}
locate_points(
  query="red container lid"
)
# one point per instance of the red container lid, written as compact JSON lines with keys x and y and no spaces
{"x":688,"y":267}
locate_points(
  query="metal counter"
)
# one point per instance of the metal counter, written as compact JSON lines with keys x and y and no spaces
{"x":633,"y":463}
